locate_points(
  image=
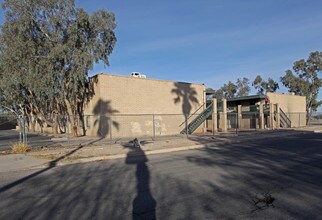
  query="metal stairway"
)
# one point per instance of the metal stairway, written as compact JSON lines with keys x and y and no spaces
{"x":284,"y":120}
{"x":192,"y":126}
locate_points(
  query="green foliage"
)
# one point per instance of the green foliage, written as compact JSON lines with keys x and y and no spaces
{"x":242,"y":87}
{"x":218,"y":94}
{"x":231,"y":90}
{"x":307,"y":82}
{"x":263,"y":86}
{"x":295,"y":84}
{"x":47,"y":49}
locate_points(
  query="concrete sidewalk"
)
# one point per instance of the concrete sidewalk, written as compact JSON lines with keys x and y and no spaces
{"x":13,"y":162}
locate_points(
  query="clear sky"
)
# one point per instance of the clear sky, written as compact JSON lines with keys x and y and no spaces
{"x":210,"y":41}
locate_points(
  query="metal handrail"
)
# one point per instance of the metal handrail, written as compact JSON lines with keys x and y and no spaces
{"x":285,"y":118}
{"x":192,"y":114}
{"x":202,"y":114}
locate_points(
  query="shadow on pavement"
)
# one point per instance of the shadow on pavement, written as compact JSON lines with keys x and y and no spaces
{"x":221,"y":181}
{"x":143,"y":205}
{"x":51,"y":165}
{"x":281,"y":170}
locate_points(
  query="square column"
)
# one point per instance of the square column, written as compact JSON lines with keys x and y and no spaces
{"x":223,"y":116}
{"x":261,"y":116}
{"x":278,"y":116}
{"x":214,"y":116}
{"x":239,"y":116}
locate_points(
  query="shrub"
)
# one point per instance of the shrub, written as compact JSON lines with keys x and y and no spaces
{"x":19,"y":148}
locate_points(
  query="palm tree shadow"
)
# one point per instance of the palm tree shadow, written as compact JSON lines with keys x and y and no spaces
{"x":104,"y":111}
{"x":187,"y":95}
{"x":143,"y":205}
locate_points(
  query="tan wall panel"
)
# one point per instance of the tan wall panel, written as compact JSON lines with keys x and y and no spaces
{"x":136,"y":96}
{"x":288,"y":103}
{"x":294,"y":106}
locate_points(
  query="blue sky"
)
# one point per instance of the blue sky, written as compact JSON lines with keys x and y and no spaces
{"x":210,"y":41}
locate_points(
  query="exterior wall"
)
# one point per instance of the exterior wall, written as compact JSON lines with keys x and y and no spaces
{"x":127,"y":106}
{"x":246,"y":119}
{"x":294,"y":107}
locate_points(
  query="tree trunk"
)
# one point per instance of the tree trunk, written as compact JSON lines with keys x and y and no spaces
{"x":32,"y":125}
{"x":71,"y":118}
{"x":32,"y":122}
{"x":81,"y":117}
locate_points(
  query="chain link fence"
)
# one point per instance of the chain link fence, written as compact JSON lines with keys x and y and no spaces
{"x":243,"y":121}
{"x":62,"y":129}
{"x":109,"y":128}
{"x":250,"y":119}
{"x":131,"y":126}
{"x":13,"y":129}
{"x":297,"y":119}
{"x":8,"y":121}
{"x":315,"y":119}
{"x":247,"y":119}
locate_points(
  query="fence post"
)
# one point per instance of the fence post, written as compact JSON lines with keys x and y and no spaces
{"x":20,"y":125}
{"x":24,"y":138}
{"x":110,"y":128}
{"x":153,"y":124}
{"x":26,"y":134}
{"x":23,"y":129}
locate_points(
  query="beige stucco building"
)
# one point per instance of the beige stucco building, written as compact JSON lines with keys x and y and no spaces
{"x":271,"y":111}
{"x":125,"y":106}
{"x":293,"y":106}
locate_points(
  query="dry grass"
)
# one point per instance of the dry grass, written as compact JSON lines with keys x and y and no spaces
{"x":19,"y":148}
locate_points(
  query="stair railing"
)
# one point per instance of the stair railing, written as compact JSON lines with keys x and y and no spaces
{"x":285,"y":119}
{"x":192,"y":114}
{"x":192,"y":126}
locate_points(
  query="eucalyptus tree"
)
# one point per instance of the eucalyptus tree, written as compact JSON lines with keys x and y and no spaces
{"x":231,"y":90}
{"x":307,"y":82}
{"x":47,"y":49}
{"x":243,"y":88}
{"x":264,"y":86}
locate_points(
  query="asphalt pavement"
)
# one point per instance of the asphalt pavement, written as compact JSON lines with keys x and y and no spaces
{"x":245,"y":177}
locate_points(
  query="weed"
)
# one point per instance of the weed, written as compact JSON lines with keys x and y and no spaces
{"x":19,"y":148}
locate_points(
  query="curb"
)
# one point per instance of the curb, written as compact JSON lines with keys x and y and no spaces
{"x":120,"y":156}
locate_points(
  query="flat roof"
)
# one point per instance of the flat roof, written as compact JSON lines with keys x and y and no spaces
{"x":110,"y":74}
{"x":247,"y":98}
